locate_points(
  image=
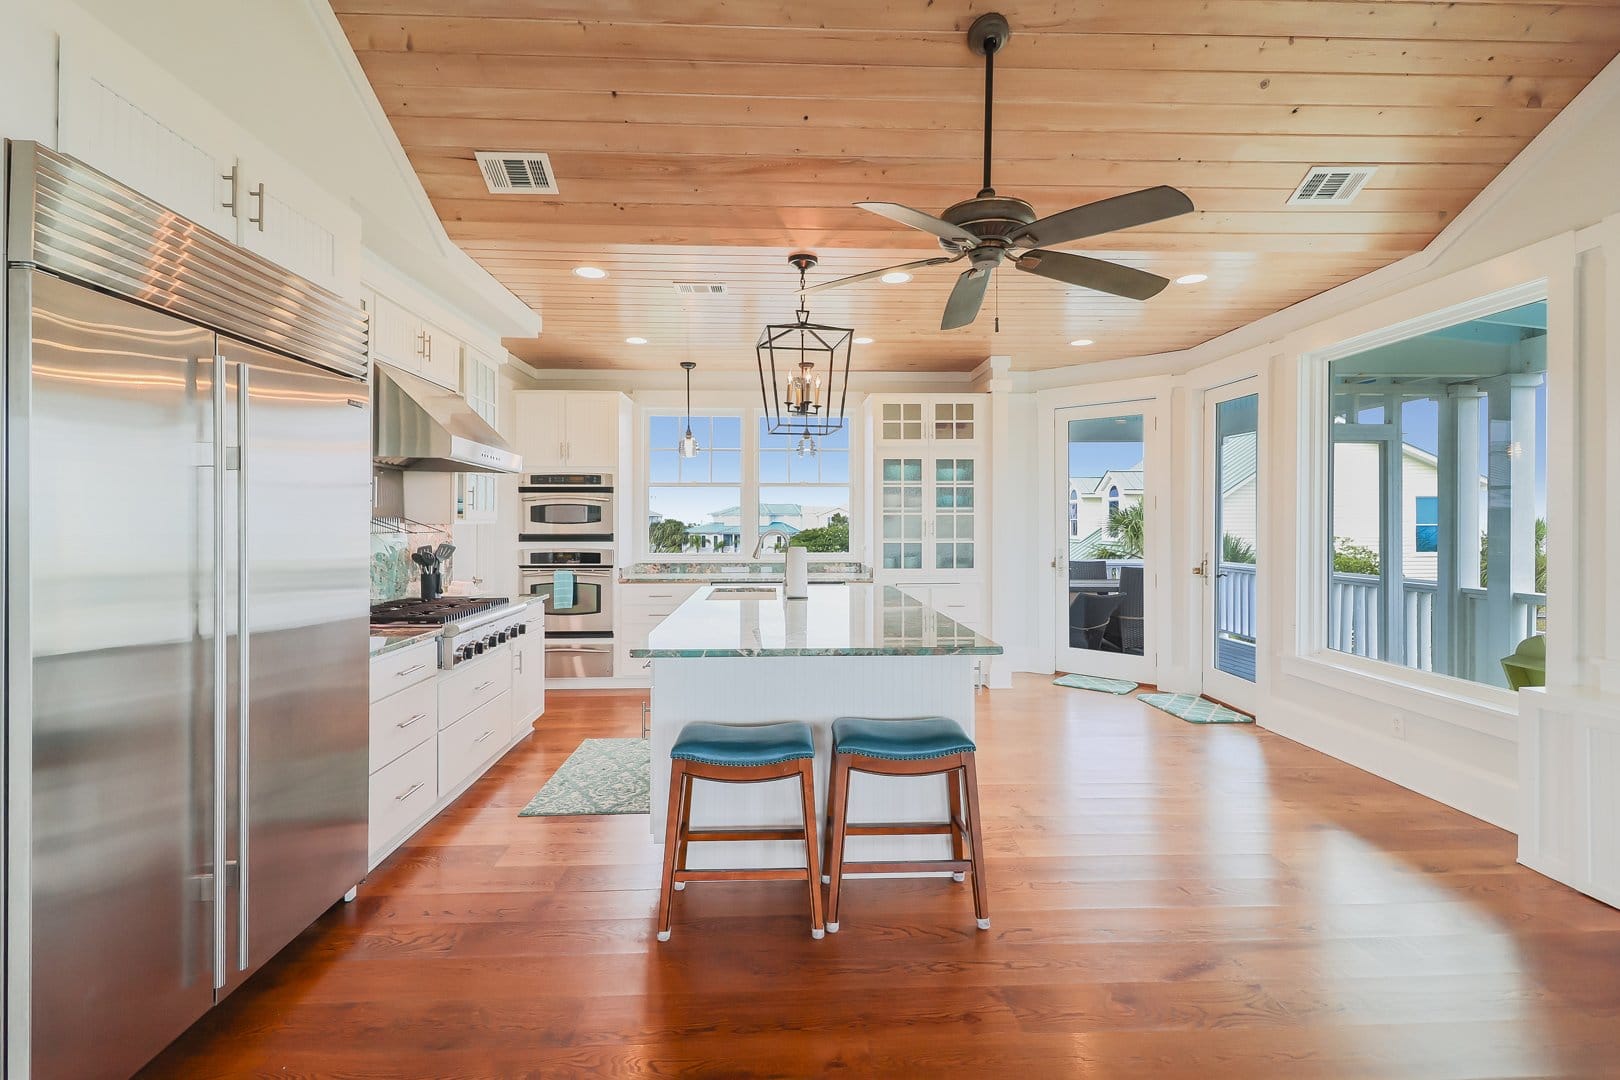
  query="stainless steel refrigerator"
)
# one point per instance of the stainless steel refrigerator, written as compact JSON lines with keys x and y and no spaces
{"x":187,"y":481}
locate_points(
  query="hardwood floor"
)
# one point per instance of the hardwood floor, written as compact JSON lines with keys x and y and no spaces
{"x":1168,"y":901}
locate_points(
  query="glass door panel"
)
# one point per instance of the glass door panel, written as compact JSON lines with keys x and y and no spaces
{"x":901,"y":513}
{"x":1104,"y":516}
{"x":953,"y":514}
{"x":1234,"y":561}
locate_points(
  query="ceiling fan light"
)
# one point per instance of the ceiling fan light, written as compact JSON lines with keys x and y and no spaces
{"x":1191,"y":279}
{"x":592,"y":273}
{"x":895,"y":277}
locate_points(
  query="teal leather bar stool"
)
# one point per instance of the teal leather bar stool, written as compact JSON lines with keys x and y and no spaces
{"x":920,"y":747}
{"x":739,"y":754}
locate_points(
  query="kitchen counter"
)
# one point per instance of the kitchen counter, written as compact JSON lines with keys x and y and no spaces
{"x":847,"y":650}
{"x":836,"y":620}
{"x":387,"y":641}
{"x":765,"y":573}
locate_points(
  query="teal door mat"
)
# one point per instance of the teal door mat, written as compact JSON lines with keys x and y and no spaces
{"x":1093,"y":682}
{"x":1194,"y":709}
{"x":603,"y":776}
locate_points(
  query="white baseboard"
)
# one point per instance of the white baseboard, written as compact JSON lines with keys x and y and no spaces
{"x":1474,"y":791}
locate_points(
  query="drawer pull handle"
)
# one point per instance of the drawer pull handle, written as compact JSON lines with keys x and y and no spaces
{"x":412,"y":670}
{"x":412,"y":720}
{"x":485,"y":685}
{"x":408,"y":792}
{"x":482,"y":737}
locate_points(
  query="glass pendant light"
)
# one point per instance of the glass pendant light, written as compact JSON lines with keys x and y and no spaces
{"x":689,"y":444}
{"x":807,"y":446}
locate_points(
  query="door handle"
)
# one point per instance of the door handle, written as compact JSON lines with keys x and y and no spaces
{"x":412,"y":720}
{"x":221,"y":704}
{"x":258,"y":193}
{"x":234,"y":179}
{"x":481,"y":687}
{"x":482,"y":737}
{"x":244,"y":740}
{"x":408,"y":792}
{"x":412,"y":670}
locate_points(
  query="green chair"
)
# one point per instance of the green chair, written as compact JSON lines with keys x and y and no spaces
{"x":1528,"y":664}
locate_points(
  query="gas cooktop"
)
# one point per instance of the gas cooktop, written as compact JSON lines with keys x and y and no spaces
{"x":447,"y":609}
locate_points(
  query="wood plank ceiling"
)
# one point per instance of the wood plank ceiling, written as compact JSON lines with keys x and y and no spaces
{"x":706,"y":140}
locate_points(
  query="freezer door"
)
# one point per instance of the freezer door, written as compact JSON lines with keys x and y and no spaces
{"x":299,"y":554}
{"x":110,"y":485}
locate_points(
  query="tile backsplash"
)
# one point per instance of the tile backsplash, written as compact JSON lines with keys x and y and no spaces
{"x":393,"y":574}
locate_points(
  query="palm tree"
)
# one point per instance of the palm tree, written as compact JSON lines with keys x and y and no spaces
{"x":1126,"y":533}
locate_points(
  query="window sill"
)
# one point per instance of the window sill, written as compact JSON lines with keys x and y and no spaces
{"x":1480,"y":708}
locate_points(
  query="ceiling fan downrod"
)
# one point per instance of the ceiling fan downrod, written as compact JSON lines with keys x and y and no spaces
{"x":987,"y":36}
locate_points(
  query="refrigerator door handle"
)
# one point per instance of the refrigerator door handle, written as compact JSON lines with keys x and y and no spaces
{"x":221,"y":704}
{"x":244,"y":713}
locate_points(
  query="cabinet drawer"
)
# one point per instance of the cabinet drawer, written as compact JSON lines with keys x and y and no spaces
{"x":395,"y":671}
{"x":402,"y":791}
{"x":470,"y":685}
{"x":401,"y":721}
{"x":665,"y":598}
{"x":473,"y":740}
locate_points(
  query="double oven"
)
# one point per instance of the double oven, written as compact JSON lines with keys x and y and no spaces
{"x":565,"y":553}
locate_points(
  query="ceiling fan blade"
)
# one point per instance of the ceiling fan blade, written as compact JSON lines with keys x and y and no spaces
{"x":838,"y":283}
{"x":916,"y":219}
{"x":1107,"y":215}
{"x":1096,"y":274}
{"x":963,"y":306}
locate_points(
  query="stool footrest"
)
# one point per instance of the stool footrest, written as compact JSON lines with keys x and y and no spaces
{"x":789,"y":873}
{"x":716,"y":834}
{"x":909,"y":866}
{"x":899,"y":828}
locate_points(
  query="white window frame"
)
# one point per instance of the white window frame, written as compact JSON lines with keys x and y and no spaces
{"x":1313,"y":558}
{"x":749,"y":488}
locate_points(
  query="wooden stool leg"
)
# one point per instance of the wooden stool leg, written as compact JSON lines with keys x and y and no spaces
{"x":672,"y":830}
{"x":686,"y":827}
{"x":812,"y":849}
{"x":953,"y":783}
{"x":838,"y":819}
{"x":981,"y":889}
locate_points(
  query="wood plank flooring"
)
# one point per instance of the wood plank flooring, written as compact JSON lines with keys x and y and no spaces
{"x":1168,"y":901}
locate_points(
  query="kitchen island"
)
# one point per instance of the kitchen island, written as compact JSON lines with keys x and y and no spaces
{"x":745,"y":655}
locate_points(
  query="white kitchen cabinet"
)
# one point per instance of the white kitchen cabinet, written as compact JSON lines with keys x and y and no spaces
{"x":928,"y":418}
{"x":396,"y":334}
{"x":641,"y":607}
{"x":529,"y":672}
{"x":927,"y":510}
{"x":574,"y":429}
{"x":130,"y":119}
{"x":476,"y":493}
{"x":441,"y":356}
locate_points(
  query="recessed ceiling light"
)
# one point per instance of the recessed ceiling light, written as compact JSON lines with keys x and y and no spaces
{"x":1081,"y":341}
{"x":1191,"y":279}
{"x":895,"y":277}
{"x":863,"y":341}
{"x":592,"y":272}
{"x":635,"y":341}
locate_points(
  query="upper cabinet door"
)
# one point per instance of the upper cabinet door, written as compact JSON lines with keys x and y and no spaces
{"x":540,"y":435}
{"x":902,"y":422}
{"x":397,"y":336}
{"x":592,"y":425}
{"x":294,"y":223}
{"x":118,"y":113}
{"x":441,"y":357}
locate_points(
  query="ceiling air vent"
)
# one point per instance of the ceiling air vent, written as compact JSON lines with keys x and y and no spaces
{"x":701,"y":288}
{"x":1331,"y":185}
{"x":517,"y":174}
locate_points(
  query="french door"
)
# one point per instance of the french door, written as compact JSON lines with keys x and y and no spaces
{"x":1232,"y":551}
{"x":1108,"y":536}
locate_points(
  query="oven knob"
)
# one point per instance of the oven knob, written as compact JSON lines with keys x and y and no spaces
{"x":468,"y":652}
{"x":521,"y":628}
{"x":476,"y":647}
{"x":504,"y":635}
{"x":492,"y":641}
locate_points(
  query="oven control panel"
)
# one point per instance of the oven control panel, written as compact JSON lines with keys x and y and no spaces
{"x":472,"y":643}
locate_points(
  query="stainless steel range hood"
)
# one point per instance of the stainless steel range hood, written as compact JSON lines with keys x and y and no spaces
{"x":421,"y":425}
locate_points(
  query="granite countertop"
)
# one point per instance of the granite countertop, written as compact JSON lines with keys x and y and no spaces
{"x":837,"y":620}
{"x":387,"y":641}
{"x":766,"y":573}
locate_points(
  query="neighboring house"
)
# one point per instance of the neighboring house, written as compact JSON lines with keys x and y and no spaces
{"x":796,"y":515}
{"x":1356,"y":500}
{"x":1091,"y":498}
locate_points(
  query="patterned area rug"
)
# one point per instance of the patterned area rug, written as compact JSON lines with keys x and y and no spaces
{"x":1093,"y":682}
{"x":1194,"y":709}
{"x":603,"y":776}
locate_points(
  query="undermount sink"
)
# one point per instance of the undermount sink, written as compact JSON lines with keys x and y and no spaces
{"x":742,"y":592}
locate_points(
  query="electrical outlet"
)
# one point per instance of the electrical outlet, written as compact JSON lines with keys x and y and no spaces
{"x":1397,"y":725}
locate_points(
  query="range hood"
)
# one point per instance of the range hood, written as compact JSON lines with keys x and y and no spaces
{"x":417,"y":424}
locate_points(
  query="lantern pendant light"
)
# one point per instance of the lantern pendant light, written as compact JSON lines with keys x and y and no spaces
{"x":813,"y":361}
{"x":689,"y":444}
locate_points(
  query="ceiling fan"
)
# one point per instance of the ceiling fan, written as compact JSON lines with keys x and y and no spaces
{"x":989,"y":228}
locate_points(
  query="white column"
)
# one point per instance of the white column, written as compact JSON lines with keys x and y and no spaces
{"x":1391,"y":559}
{"x":1510,"y":563}
{"x":1458,"y":491}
